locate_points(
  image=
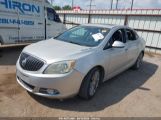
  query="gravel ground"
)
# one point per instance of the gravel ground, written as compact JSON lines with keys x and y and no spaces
{"x":130,"y":94}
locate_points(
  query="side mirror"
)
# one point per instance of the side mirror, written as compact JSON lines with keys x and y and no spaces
{"x":118,"y":44}
{"x":57,"y":19}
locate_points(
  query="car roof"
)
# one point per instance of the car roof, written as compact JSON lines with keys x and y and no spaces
{"x":103,"y":25}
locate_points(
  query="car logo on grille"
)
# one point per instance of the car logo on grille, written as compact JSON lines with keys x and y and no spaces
{"x":23,"y":63}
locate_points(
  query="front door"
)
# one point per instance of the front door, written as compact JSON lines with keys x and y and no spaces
{"x":117,"y":57}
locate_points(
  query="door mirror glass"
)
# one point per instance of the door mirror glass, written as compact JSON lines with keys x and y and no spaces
{"x":118,"y":44}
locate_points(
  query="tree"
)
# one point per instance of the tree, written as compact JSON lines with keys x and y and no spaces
{"x":67,"y":7}
{"x":57,"y":7}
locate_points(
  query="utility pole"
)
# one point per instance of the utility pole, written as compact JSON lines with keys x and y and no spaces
{"x":132,"y":3}
{"x":111,"y":4}
{"x":51,"y":2}
{"x":117,"y":4}
{"x":72,"y":4}
{"x":90,"y":6}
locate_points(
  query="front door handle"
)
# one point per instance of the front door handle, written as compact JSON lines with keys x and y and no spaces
{"x":126,"y":49}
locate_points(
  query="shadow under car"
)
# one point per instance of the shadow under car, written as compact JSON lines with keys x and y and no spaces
{"x":109,"y":93}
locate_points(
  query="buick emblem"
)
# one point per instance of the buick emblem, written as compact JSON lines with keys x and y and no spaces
{"x":24,"y":62}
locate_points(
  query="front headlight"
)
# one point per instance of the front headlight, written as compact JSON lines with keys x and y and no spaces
{"x":60,"y":67}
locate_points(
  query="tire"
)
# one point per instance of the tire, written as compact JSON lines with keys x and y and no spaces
{"x":138,"y":62}
{"x":90,"y":84}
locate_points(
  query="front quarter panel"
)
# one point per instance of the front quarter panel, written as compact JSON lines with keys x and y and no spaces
{"x":86,"y":63}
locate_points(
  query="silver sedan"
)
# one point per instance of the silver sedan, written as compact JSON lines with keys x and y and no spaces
{"x":79,"y":60}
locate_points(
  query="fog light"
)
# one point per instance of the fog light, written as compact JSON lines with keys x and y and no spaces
{"x":52,"y":92}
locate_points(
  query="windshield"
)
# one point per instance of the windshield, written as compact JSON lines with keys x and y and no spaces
{"x":84,"y":35}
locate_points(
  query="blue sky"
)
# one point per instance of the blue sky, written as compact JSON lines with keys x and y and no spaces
{"x":105,"y":4}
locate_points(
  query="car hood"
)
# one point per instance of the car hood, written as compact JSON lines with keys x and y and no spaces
{"x":54,"y":50}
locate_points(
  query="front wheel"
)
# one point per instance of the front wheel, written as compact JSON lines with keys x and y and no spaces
{"x":90,"y":84}
{"x":138,"y":62}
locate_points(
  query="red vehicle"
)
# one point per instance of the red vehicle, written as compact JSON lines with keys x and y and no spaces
{"x":76,"y":8}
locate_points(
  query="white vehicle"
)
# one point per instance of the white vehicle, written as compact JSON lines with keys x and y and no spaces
{"x":24,"y":21}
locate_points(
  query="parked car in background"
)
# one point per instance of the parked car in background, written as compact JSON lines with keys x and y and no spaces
{"x":79,"y":60}
{"x":28,"y":21}
{"x":77,"y":8}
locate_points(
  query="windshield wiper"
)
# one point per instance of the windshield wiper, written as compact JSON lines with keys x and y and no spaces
{"x":71,"y":42}
{"x":75,"y":43}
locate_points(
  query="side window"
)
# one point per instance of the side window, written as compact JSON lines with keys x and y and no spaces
{"x":52,"y":15}
{"x":119,"y":35}
{"x":130,"y":35}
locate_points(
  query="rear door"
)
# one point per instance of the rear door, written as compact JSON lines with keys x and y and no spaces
{"x":132,"y":46}
{"x":9,"y":27}
{"x":32,"y":26}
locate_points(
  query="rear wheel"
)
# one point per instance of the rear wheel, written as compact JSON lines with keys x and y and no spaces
{"x":138,"y":62}
{"x":90,"y":84}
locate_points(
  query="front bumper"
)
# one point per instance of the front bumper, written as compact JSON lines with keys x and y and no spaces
{"x":67,"y":85}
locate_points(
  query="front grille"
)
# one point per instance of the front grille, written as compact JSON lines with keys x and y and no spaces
{"x":30,"y":63}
